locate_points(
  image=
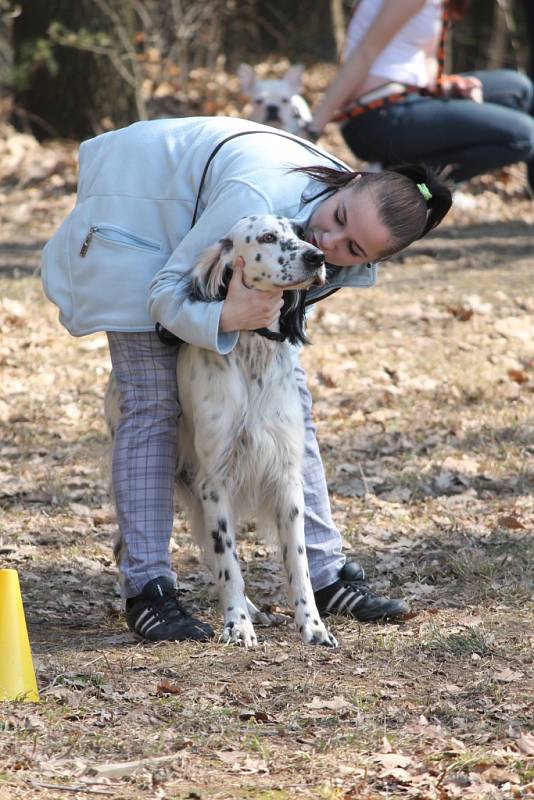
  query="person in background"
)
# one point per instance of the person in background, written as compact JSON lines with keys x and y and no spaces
{"x":395,"y":103}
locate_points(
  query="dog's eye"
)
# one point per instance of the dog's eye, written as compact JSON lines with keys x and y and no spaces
{"x":267,"y":238}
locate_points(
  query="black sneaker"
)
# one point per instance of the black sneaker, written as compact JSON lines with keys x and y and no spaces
{"x":156,"y":616}
{"x":351,"y":597}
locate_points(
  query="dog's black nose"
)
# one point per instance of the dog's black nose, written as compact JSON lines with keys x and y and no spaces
{"x":272,"y":112}
{"x":313,"y":258}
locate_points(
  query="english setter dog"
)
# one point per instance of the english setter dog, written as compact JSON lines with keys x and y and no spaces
{"x":241,"y":431}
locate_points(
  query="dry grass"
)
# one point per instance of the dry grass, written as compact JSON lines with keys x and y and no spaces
{"x":423,"y":402}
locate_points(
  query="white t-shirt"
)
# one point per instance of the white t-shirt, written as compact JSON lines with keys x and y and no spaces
{"x":410,"y":56}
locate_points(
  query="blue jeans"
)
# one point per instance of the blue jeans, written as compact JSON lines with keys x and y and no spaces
{"x":472,"y":137}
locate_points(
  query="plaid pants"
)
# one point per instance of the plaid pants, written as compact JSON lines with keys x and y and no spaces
{"x":144,"y":458}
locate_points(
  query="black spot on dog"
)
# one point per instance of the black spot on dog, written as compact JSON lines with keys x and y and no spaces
{"x":258,"y":256}
{"x":285,"y":552}
{"x":293,"y":514}
{"x":290,"y":578}
{"x":223,"y":526}
{"x":281,"y":260}
{"x":220,"y":574}
{"x":315,"y":621}
{"x":260,"y":383}
{"x":218,"y":544}
{"x":186,"y":476}
{"x":256,"y":280}
{"x":247,"y":239}
{"x":214,"y":496}
{"x":303,"y":601}
{"x":229,"y":543}
{"x":243,"y":616}
{"x":307,"y":614}
{"x":230,"y":608}
{"x":226,"y":575}
{"x":301,"y":628}
{"x":229,"y":625}
{"x":300,"y":549}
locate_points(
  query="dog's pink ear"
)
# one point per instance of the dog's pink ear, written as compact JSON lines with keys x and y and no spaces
{"x":294,"y":77}
{"x":247,"y":76}
{"x":211,"y":270}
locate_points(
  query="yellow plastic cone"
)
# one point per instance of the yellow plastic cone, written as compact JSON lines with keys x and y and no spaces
{"x":17,"y":676}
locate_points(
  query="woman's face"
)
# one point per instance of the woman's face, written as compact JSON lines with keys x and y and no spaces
{"x":346,"y":227}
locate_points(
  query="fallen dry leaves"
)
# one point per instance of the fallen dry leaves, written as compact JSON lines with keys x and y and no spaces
{"x":423,"y":402}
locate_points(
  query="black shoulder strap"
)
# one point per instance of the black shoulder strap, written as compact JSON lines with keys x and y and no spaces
{"x":216,"y":149}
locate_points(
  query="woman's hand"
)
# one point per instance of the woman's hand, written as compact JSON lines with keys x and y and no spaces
{"x":248,"y":309}
{"x":466,"y":86}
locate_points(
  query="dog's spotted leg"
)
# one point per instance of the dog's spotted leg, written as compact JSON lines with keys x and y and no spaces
{"x":220,"y":539}
{"x":290,"y":521}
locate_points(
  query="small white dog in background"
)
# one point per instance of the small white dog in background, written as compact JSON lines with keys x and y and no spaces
{"x":277,"y":102}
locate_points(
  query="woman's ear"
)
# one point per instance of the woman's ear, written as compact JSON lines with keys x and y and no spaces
{"x":212,"y":271}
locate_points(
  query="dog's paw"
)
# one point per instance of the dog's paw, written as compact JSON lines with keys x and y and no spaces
{"x":315,"y":632}
{"x":240,"y":631}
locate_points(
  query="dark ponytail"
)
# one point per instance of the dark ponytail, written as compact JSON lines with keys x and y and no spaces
{"x":411,"y":199}
{"x":440,"y":199}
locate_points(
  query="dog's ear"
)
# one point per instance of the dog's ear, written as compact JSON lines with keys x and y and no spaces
{"x":247,"y":76}
{"x":297,"y":228}
{"x":212,"y":272}
{"x":293,"y":318}
{"x":294,"y":77}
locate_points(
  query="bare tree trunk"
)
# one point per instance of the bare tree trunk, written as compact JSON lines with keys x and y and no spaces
{"x":499,"y":38}
{"x":338,"y":24}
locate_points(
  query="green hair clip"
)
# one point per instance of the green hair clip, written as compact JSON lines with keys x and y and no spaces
{"x":425,"y":191}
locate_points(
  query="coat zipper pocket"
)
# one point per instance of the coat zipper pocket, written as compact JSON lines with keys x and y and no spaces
{"x":118,"y":236}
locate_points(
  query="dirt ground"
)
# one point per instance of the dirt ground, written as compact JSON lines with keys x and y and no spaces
{"x":423,"y":390}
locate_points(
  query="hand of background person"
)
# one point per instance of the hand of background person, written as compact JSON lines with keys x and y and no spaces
{"x":248,"y":309}
{"x":468,"y":87}
{"x":310,"y":132}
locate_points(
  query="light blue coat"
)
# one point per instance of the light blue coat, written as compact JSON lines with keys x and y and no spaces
{"x":120,"y":260}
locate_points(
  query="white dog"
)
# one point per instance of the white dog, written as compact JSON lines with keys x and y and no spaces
{"x":277,"y":102}
{"x":241,"y":432}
